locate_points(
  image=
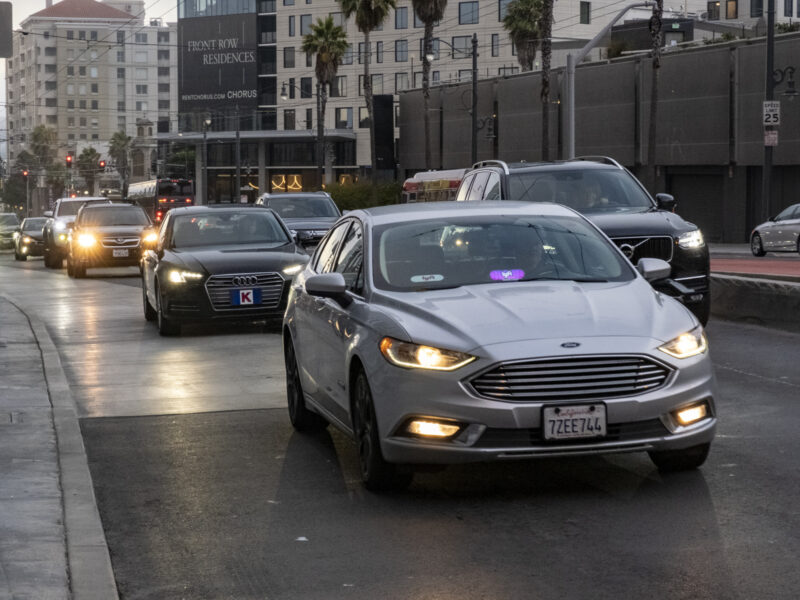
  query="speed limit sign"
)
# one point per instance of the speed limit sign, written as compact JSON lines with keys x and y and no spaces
{"x":772,"y":112}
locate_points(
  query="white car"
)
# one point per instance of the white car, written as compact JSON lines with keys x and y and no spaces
{"x":780,"y":234}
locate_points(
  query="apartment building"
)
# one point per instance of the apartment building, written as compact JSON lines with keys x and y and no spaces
{"x":88,"y":69}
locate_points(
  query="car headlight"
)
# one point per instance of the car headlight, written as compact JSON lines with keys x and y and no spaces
{"x":687,"y":344}
{"x":26,"y":239}
{"x":691,"y":240}
{"x":150,"y":238}
{"x":293,"y":269}
{"x":183,"y":276}
{"x":59,"y":226}
{"x":406,"y":354}
{"x":86,"y":240}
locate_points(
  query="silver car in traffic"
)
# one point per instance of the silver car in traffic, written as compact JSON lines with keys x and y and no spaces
{"x":449,"y":333}
{"x":780,"y":234}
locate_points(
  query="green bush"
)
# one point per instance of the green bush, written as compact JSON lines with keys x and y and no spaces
{"x":352,"y":196}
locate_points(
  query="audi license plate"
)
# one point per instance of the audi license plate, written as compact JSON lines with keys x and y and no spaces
{"x":119,"y":253}
{"x":245,"y":297}
{"x":575,"y":421}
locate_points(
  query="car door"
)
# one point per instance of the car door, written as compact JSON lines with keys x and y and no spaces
{"x":772,"y":234}
{"x":793,"y":230}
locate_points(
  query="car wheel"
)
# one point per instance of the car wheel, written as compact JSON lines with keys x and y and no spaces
{"x":376,"y":473}
{"x":70,"y":271}
{"x":149,"y":311}
{"x":756,"y":246}
{"x":78,"y":272}
{"x":48,"y":259}
{"x":20,"y":256}
{"x":680,"y":460}
{"x":166,"y":326}
{"x":302,"y":419}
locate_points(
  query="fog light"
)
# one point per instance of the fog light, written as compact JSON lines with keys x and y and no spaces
{"x":432,"y":429}
{"x":24,"y":249}
{"x":62,"y":236}
{"x":692,"y":414}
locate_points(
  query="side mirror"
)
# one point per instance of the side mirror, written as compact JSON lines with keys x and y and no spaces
{"x":48,"y":213}
{"x":329,"y":285}
{"x":666,"y":202}
{"x":653,"y":269}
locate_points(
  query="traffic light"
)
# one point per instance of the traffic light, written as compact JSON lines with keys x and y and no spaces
{"x":25,"y":173}
{"x":68,"y":159}
{"x":102,"y":164}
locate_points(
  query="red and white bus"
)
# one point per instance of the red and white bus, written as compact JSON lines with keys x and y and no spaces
{"x":157,"y":196}
{"x":432,"y":186}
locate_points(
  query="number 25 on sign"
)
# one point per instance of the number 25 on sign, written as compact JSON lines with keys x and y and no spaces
{"x":772,"y":112}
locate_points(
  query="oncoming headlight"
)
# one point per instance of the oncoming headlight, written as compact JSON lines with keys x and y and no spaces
{"x":150,"y":238}
{"x":686,"y":344}
{"x":418,"y":356}
{"x":59,"y":226}
{"x":183,"y":276}
{"x":691,"y":240}
{"x":86,"y":240}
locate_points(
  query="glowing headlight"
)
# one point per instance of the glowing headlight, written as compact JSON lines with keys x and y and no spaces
{"x":26,"y":239}
{"x":59,"y":226}
{"x":183,"y":276}
{"x":691,"y":240}
{"x":150,"y":238}
{"x":686,"y":344}
{"x":406,"y":354}
{"x":86,"y":240}
{"x":292,"y":269}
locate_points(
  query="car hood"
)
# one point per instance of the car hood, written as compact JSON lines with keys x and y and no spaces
{"x":470,"y":317}
{"x":656,"y":222}
{"x":239,"y":259}
{"x":323,"y":223}
{"x":36,"y":234}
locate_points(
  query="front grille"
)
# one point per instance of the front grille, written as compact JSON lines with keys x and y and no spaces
{"x":615,"y":432}
{"x":646,"y":247}
{"x":574,"y":378}
{"x":120,"y":242}
{"x":219,"y":289}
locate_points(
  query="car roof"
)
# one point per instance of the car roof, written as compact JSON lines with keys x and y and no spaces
{"x":397,"y":213}
{"x":205,"y":208}
{"x":573,"y":165}
{"x":110,"y":204}
{"x":83,"y":199}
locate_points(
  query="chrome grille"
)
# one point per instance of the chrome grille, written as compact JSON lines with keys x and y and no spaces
{"x":573,"y":378}
{"x":615,"y":432}
{"x":646,"y":247}
{"x":120,"y":242}
{"x":219,"y":289}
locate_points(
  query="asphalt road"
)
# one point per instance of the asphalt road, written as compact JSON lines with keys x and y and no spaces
{"x":205,"y":491}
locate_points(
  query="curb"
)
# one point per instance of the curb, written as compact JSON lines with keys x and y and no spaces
{"x":768,"y":302}
{"x":90,"y":573}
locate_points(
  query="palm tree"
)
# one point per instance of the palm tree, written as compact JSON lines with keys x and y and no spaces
{"x":88,"y":164}
{"x":329,"y":43}
{"x":118,"y":148}
{"x":369,"y":14}
{"x":429,"y":12}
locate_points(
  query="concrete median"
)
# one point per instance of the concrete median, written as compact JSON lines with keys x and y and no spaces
{"x":769,"y":302}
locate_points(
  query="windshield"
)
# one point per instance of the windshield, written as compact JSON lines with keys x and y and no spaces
{"x":476,"y":250}
{"x":70,"y":209}
{"x":227,"y":228}
{"x":116,"y":216}
{"x":175,"y":188}
{"x":304,"y":208}
{"x":585,"y":190}
{"x":9,"y":219}
{"x":33,"y":224}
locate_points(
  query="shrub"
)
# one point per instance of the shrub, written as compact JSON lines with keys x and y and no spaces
{"x":352,"y":196}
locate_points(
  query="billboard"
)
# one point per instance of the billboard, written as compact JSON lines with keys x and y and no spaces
{"x":217,"y":66}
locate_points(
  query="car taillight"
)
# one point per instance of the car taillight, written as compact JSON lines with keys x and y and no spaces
{"x":162,"y":200}
{"x":159,"y":215}
{"x":188,"y":201}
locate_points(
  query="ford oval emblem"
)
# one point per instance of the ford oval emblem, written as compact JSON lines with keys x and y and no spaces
{"x":570,"y":344}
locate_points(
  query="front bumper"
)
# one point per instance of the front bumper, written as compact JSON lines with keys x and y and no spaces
{"x":99,"y":256}
{"x":189,"y":302}
{"x":501,"y":430}
{"x":34,"y":248}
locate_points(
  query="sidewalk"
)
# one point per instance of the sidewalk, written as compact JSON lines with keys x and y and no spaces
{"x":52,"y":544}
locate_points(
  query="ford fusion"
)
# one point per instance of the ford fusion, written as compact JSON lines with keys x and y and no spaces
{"x":223,"y":262}
{"x":449,"y":333}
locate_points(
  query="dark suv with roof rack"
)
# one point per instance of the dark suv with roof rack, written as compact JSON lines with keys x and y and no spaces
{"x":614,"y":200}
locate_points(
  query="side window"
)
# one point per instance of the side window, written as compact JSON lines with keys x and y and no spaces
{"x":351,"y":260}
{"x":162,"y":232}
{"x":326,"y":253}
{"x":785,"y":214}
{"x":476,"y":191}
{"x":492,"y":187}
{"x":462,"y":191}
{"x":796,"y":214}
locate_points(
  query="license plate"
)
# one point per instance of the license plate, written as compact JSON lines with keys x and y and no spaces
{"x":119,"y":253}
{"x":246,"y":297}
{"x":575,"y":421}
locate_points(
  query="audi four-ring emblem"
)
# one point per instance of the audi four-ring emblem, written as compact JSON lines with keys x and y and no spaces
{"x":245,"y":280}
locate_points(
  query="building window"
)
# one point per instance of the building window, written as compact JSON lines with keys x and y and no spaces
{"x":70,"y":35}
{"x":50,"y":51}
{"x":363,"y":117}
{"x":288,"y":120}
{"x":93,"y":72}
{"x":82,"y":89}
{"x":362,"y":53}
{"x":141,"y":105}
{"x":163,"y":125}
{"x":379,"y":52}
{"x":120,"y":55}
{"x":70,"y":121}
{"x":434,"y":48}
{"x":305,"y":24}
{"x":339,"y":87}
{"x":121,"y":123}
{"x":756,"y":8}
{"x":70,"y":71}
{"x":291,"y":87}
{"x":140,"y":73}
{"x":163,"y":37}
{"x":435,"y":78}
{"x":81,"y":35}
{"x":140,"y":57}
{"x":288,"y":57}
{"x":377,"y":84}
{"x":495,"y":44}
{"x":51,"y":102}
{"x":95,"y":105}
{"x":288,"y":2}
{"x":82,"y":121}
{"x":70,"y":104}
{"x":163,"y":105}
{"x":713,"y":11}
{"x":347,"y":58}
{"x":344,"y":118}
{"x":787,"y":8}
{"x":291,"y":25}
{"x":163,"y":71}
{"x":93,"y":36}
{"x":140,"y":38}
{"x":401,"y":18}
{"x":121,"y":73}
{"x":502,"y":9}
{"x":464,"y":75}
{"x":732,"y":9}
{"x":418,"y":22}
{"x":50,"y":85}
{"x":467,"y":13}
{"x":95,"y":88}
{"x":141,"y":88}
{"x":163,"y":87}
{"x":305,"y":87}
{"x":401,"y":51}
{"x":462,"y":46}
{"x":163,"y":55}
{"x":585,"y":13}
{"x":309,"y":117}
{"x":82,"y":71}
{"x":70,"y":89}
{"x":82,"y":104}
{"x":400,"y":82}
{"x":121,"y":106}
{"x":120,"y":37}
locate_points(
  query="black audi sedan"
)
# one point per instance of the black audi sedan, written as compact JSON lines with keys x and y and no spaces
{"x":229,"y":262}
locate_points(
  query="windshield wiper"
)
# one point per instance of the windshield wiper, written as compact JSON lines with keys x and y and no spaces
{"x":576,"y":279}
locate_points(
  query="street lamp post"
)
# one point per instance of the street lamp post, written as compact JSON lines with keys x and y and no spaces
{"x":206,"y":124}
{"x":320,"y":139}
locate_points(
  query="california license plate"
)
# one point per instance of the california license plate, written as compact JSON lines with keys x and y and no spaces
{"x":574,"y":421}
{"x":245,"y":297}
{"x":119,"y":253}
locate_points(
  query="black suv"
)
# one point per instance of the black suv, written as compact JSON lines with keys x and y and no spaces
{"x":614,"y":200}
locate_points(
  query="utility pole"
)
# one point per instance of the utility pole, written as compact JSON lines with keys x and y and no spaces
{"x":769,"y":95}
{"x":474,"y":98}
{"x":320,"y":140}
{"x":238,"y":159}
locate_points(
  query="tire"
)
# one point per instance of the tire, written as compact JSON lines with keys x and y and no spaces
{"x":20,"y":256}
{"x":756,"y":245}
{"x":680,"y":460}
{"x":302,"y":419}
{"x":166,"y":327}
{"x":150,"y":313}
{"x":70,"y":271}
{"x":702,"y":310}
{"x":376,"y":473}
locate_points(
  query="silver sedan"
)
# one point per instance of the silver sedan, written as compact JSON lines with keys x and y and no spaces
{"x":448,"y":333}
{"x":780,"y":234}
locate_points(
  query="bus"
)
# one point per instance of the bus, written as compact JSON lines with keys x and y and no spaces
{"x":157,"y":196}
{"x":432,"y":186}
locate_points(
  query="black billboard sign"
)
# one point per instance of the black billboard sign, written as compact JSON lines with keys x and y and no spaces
{"x":217,"y":67}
